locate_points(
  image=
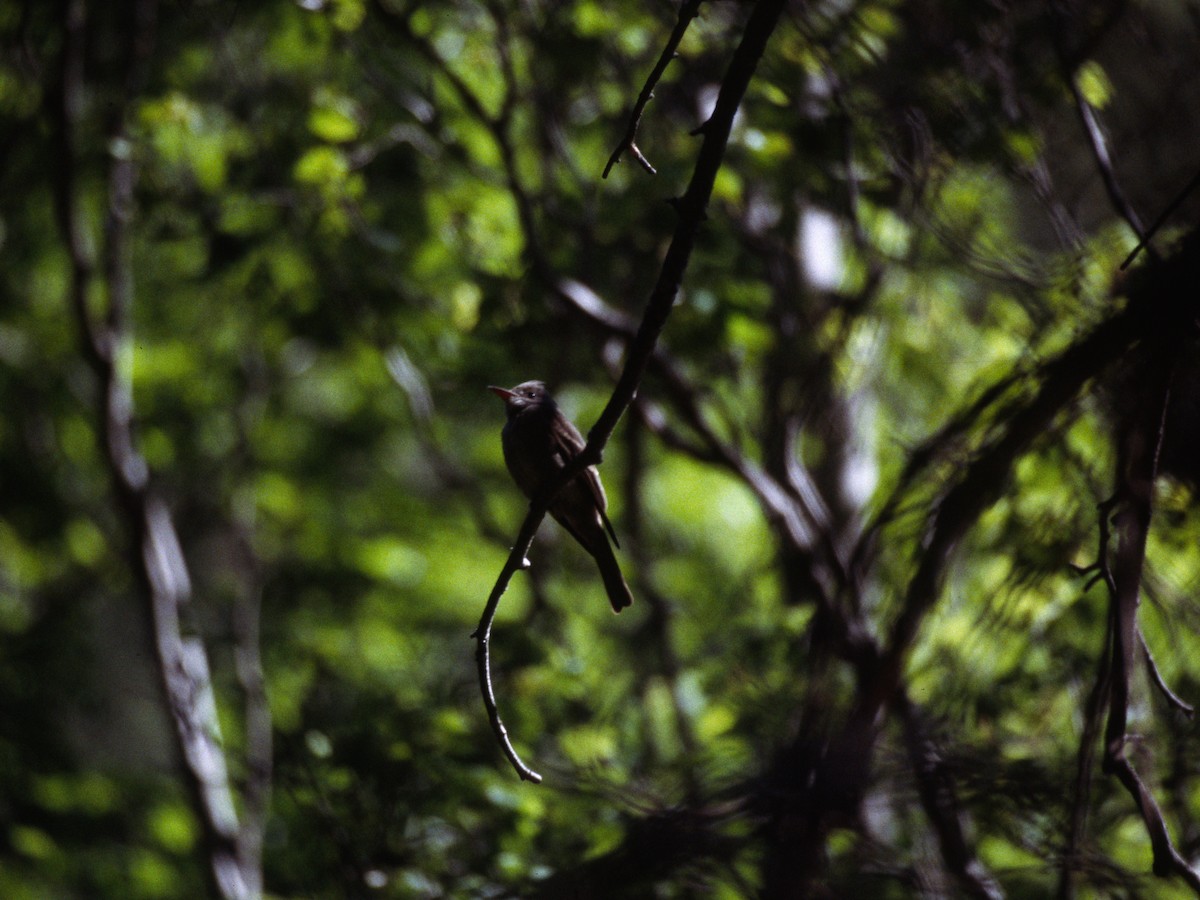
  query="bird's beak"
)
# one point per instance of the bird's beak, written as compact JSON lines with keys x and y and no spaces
{"x":503,"y":393}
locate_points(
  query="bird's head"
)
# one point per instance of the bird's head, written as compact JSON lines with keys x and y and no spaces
{"x":527,"y":395}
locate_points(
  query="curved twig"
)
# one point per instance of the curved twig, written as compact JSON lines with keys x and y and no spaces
{"x":1173,"y":699}
{"x":483,"y":633}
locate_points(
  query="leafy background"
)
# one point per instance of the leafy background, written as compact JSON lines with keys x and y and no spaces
{"x":350,"y":217}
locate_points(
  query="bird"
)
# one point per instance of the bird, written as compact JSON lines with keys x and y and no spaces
{"x":539,"y":441}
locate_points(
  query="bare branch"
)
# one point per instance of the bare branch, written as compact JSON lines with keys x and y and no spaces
{"x":1137,"y":468}
{"x":1093,"y":715}
{"x":795,"y":516}
{"x":483,"y":633}
{"x":919,"y":460}
{"x":1167,"y":860}
{"x":1156,"y":678}
{"x":687,"y":11}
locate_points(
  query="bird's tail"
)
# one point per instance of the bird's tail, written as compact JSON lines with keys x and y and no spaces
{"x":614,"y":582}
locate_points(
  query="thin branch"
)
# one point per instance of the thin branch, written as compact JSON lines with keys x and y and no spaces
{"x":687,"y":11}
{"x":1156,"y":678}
{"x":782,"y":505}
{"x":692,"y":213}
{"x":1101,"y":569}
{"x":1137,"y":469}
{"x":483,"y":633}
{"x":1099,"y":146}
{"x":497,"y":126}
{"x":1162,"y":218}
{"x":1167,"y":860}
{"x":919,"y":460}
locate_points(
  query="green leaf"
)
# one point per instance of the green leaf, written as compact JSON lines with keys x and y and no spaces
{"x":1093,"y":83}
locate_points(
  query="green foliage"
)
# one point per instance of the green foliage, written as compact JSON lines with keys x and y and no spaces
{"x":349,"y":219}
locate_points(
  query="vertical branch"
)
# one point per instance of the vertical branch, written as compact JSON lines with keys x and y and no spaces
{"x":1135,"y":494}
{"x":158,"y":560}
{"x":1134,"y":500}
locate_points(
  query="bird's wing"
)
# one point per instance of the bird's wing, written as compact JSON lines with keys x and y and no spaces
{"x":593,"y":478}
{"x":569,"y":443}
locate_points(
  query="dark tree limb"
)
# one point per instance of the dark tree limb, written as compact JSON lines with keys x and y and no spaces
{"x":692,"y":213}
{"x":982,"y":480}
{"x":687,"y":11}
{"x":656,"y":847}
{"x":1167,"y":860}
{"x":1101,"y":569}
{"x":920,"y":460}
{"x":1140,"y":446}
{"x":1168,"y":307}
{"x":1138,"y":467}
{"x":692,"y":208}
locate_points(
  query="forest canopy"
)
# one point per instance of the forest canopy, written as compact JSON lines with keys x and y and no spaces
{"x":879,"y":319}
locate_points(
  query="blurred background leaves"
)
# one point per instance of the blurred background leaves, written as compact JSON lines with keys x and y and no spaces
{"x":350,"y":217}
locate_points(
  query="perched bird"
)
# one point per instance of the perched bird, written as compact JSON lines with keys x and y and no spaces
{"x":538,"y":442}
